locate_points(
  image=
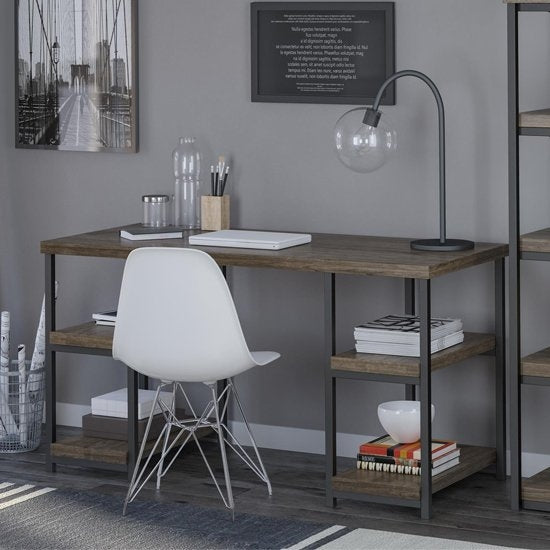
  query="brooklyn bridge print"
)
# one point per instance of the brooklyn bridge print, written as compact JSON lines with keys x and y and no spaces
{"x":76,"y":75}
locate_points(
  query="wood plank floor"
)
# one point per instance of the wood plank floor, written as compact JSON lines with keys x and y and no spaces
{"x":475,"y":509}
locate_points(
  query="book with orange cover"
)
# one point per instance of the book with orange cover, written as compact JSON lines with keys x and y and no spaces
{"x":411,"y":462}
{"x":386,"y":446}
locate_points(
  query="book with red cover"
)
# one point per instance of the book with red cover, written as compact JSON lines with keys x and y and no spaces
{"x":386,"y":446}
{"x":411,"y":462}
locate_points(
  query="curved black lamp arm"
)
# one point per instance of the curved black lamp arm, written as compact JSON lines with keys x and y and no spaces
{"x":372,"y":118}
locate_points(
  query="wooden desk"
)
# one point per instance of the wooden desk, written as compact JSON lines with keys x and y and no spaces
{"x":330,"y":255}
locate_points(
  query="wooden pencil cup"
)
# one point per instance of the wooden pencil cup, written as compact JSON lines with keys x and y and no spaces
{"x":214,"y":212}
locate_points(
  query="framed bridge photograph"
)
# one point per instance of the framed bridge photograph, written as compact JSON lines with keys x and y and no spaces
{"x":76,"y":75}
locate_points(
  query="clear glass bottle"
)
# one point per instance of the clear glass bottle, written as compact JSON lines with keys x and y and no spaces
{"x":187,"y":165}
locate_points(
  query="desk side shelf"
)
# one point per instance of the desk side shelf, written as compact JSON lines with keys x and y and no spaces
{"x":355,"y":482}
{"x":111,"y":453}
{"x":87,"y":335}
{"x":398,"y":366}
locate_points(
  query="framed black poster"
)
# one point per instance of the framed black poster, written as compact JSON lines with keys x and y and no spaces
{"x":322,"y":52}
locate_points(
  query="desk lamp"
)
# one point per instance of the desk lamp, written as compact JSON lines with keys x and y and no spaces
{"x":364,"y":145}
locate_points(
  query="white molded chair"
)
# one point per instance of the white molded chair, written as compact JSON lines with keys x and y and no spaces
{"x":177,"y":322}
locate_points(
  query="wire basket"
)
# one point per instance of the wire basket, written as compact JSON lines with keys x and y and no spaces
{"x":21,"y":408}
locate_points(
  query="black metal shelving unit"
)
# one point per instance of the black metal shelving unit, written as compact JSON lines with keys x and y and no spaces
{"x":532,"y":493}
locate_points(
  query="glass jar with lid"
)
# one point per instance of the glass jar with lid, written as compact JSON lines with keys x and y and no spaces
{"x":156,"y":210}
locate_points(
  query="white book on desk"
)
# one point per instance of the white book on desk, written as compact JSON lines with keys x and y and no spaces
{"x":237,"y":238}
{"x":150,"y":234}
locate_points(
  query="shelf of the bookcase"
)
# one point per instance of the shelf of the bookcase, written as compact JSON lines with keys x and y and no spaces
{"x":536,"y":366}
{"x":87,"y":335}
{"x":536,"y":489}
{"x":536,"y":242}
{"x":396,"y":365}
{"x":407,"y":487}
{"x":527,"y":2}
{"x":535,"y":120}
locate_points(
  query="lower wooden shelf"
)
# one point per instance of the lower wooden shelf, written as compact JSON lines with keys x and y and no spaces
{"x":537,"y":488}
{"x":107,"y":451}
{"x":407,"y":487}
{"x":94,"y":449}
{"x":537,"y":364}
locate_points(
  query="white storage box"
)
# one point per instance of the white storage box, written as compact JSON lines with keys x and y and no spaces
{"x":115,"y":403}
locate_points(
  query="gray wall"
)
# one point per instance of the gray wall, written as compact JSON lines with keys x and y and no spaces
{"x":194,"y":80}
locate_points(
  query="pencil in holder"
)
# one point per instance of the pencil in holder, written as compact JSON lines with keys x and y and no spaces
{"x":214,"y":212}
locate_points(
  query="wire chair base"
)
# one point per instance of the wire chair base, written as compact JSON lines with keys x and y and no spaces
{"x":188,"y":428}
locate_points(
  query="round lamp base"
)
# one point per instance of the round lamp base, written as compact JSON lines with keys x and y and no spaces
{"x":435,"y":245}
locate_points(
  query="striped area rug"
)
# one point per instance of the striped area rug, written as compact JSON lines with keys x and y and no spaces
{"x":339,"y":537}
{"x":33,"y":518}
{"x":12,"y":494}
{"x":42,"y":518}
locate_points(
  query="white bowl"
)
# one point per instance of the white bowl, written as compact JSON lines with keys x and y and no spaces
{"x":401,"y":420}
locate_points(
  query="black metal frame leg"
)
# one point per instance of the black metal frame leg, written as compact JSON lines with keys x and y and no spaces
{"x":425,"y":399}
{"x":500,"y":368}
{"x":50,"y":360}
{"x":514,"y":342}
{"x":330,"y":384}
{"x":133,"y":385}
{"x":143,"y":382}
{"x":410,"y":309}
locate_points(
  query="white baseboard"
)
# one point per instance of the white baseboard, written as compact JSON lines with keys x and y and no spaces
{"x":296,"y":439}
{"x":285,"y":438}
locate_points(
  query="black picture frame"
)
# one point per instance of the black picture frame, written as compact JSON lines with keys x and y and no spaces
{"x":126,"y":141}
{"x":260,"y":66}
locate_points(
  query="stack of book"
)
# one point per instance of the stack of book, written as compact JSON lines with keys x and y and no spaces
{"x":109,"y":416}
{"x":107,"y":318}
{"x":385,"y":455}
{"x":400,"y":335}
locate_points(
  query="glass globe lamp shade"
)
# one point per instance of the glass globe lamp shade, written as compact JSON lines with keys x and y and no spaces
{"x":360,"y":147}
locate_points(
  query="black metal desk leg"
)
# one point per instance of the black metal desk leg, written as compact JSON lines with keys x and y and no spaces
{"x":500,"y":369}
{"x":410,"y":309}
{"x":143,"y":382}
{"x":51,"y":397}
{"x":425,"y":399}
{"x":330,"y":385}
{"x":514,"y":342}
{"x":133,"y":383}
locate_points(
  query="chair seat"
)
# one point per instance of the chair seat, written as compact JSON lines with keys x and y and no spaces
{"x":262,"y":358}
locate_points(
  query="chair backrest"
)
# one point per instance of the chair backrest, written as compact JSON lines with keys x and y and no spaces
{"x":176,"y":318}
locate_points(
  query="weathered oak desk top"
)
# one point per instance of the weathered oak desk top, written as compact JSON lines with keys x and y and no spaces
{"x":342,"y":254}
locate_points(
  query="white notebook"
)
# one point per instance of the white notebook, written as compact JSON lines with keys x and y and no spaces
{"x":236,"y":238}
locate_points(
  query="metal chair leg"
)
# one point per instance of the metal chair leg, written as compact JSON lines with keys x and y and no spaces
{"x":160,"y":473}
{"x":141,"y":451}
{"x":253,"y":441}
{"x":231,"y":503}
